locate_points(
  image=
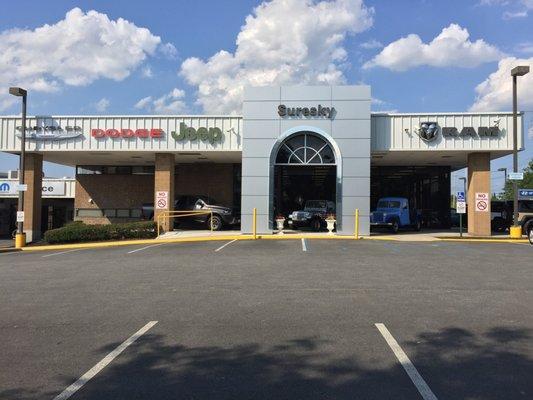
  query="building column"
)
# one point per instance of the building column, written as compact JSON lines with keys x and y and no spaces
{"x":33,"y":177}
{"x":478,"y":182}
{"x":164,"y":182}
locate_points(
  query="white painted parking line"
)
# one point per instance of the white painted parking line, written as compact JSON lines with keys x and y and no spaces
{"x":146,"y":247}
{"x":224,"y":245}
{"x":62,"y":252}
{"x":304,"y":245}
{"x":68,"y":392}
{"x":407,"y":365}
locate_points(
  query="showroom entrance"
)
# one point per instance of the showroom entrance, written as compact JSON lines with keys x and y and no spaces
{"x":426,"y":187}
{"x":304,"y":170}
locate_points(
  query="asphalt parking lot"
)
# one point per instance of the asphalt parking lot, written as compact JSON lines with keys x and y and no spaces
{"x":313,"y":319}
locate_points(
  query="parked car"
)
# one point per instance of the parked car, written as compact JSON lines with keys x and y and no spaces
{"x":221,"y":216}
{"x":394,"y":213}
{"x":313,"y":215}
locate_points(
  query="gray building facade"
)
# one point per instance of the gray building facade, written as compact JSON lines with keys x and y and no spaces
{"x":338,"y":114}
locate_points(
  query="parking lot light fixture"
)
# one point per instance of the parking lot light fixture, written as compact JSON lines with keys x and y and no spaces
{"x":520,"y":70}
{"x":20,"y":239}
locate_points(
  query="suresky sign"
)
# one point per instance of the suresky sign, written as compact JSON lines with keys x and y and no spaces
{"x":319,"y":111}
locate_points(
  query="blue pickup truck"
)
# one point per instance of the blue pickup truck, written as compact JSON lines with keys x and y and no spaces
{"x":394,"y":213}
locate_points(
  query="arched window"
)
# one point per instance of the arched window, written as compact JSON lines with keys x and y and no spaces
{"x":305,"y":148}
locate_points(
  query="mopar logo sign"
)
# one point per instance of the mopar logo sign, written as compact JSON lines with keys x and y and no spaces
{"x":5,"y":187}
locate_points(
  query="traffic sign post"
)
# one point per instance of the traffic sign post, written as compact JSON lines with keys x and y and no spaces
{"x":460,"y":208}
{"x":515,"y":176}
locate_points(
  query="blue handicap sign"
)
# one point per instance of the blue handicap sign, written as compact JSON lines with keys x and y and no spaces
{"x":460,"y":196}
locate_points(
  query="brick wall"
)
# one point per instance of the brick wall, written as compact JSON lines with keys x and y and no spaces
{"x":214,"y":180}
{"x":112,"y":191}
{"x":131,"y":191}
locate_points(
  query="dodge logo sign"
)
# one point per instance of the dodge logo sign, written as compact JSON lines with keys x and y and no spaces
{"x":428,"y":131}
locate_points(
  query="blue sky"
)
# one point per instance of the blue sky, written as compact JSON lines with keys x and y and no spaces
{"x":175,"y":66}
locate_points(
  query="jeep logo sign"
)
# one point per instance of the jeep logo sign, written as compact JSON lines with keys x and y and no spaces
{"x":212,"y":135}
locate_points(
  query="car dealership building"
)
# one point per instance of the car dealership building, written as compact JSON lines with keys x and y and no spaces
{"x":291,"y":144}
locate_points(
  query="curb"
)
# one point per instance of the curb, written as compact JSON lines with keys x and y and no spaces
{"x":9,"y":250}
{"x":250,"y":237}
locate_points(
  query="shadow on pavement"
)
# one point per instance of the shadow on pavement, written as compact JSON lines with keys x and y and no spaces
{"x":455,"y":363}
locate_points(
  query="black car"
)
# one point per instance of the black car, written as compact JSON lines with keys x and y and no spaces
{"x":219,"y":218}
{"x":313,"y":215}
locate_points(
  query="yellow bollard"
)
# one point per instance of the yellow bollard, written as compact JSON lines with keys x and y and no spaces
{"x":515,"y":232}
{"x":254,"y":223}
{"x":356,"y":223}
{"x":20,"y":240}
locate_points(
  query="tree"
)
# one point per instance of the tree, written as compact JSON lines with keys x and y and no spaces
{"x":526,"y":183}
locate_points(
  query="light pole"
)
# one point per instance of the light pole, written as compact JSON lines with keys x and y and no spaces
{"x":20,"y":239}
{"x":515,"y":230}
{"x":504,"y":170}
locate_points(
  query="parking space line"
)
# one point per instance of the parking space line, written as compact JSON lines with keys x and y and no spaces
{"x":68,"y":392}
{"x":407,"y":365}
{"x":304,"y":245}
{"x":146,"y":247}
{"x":62,"y":252}
{"x":224,"y":245}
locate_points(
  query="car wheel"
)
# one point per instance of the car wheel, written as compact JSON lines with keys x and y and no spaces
{"x":395,"y":227}
{"x":215,"y":223}
{"x":530,"y":234}
{"x":316,"y":225}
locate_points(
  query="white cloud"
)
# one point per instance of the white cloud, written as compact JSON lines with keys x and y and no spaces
{"x":451,"y":48}
{"x":515,"y":14}
{"x":170,"y":103}
{"x":282,"y":42}
{"x":168,"y":50}
{"x":515,"y":8}
{"x":371,"y":44}
{"x":102,"y":105}
{"x":525,"y":47}
{"x":495,"y":92}
{"x":146,"y":72}
{"x":77,"y":50}
{"x":143,"y":103}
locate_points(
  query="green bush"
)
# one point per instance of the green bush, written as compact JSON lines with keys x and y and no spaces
{"x":80,"y":232}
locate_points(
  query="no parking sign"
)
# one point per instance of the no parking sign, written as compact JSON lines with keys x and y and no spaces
{"x":161,"y":200}
{"x":482,"y":202}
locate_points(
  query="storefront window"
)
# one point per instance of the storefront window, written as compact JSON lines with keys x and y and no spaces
{"x":305,"y":148}
{"x":89,"y":170}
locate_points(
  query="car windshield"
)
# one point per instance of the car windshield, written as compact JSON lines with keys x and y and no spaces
{"x":315,"y":204}
{"x":388,"y":204}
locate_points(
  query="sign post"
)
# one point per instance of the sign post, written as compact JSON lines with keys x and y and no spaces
{"x":461,"y":209}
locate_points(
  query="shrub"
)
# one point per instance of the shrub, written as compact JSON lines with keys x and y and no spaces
{"x":80,"y":232}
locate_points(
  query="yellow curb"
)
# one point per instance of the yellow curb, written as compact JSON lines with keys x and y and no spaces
{"x":485,"y":240}
{"x":246,"y":237}
{"x":300,"y":236}
{"x":134,"y":242}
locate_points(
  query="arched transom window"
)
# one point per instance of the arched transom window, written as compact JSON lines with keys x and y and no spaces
{"x":305,"y":148}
